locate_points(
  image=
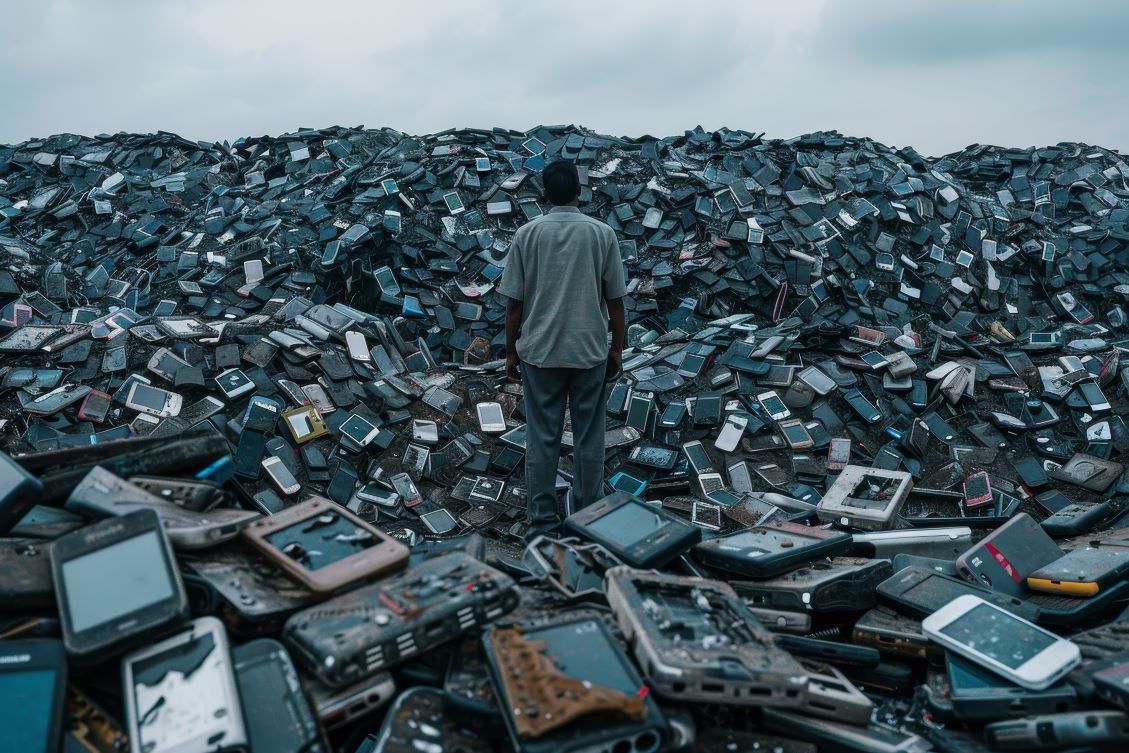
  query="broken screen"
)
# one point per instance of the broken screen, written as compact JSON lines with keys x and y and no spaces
{"x":180,"y":694}
{"x":321,"y":540}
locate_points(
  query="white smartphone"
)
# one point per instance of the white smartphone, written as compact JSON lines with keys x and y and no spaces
{"x":490,"y":418}
{"x":731,"y":433}
{"x":358,"y":347}
{"x":773,"y":405}
{"x":280,"y":475}
{"x":153,"y":400}
{"x":253,"y":271}
{"x":999,"y":641}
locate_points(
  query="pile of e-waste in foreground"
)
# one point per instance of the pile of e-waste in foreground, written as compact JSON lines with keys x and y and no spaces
{"x":263,"y":486}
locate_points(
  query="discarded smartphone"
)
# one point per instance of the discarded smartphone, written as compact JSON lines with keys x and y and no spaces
{"x":731,"y":432}
{"x":404,"y":486}
{"x":117,"y":584}
{"x":892,"y":633}
{"x":640,"y":534}
{"x":979,"y":695}
{"x":180,"y":693}
{"x":33,"y":682}
{"x":1004,"y":559}
{"x":555,"y":671}
{"x":866,"y":498}
{"x":490,"y":418}
{"x":324,"y":546}
{"x":838,"y":454}
{"x":698,"y":457}
{"x":659,"y":458}
{"x":275,"y":710}
{"x":337,"y":707}
{"x":863,"y":407}
{"x":234,"y":383}
{"x":673,"y":415}
{"x":999,"y":641}
{"x":1084,"y":572}
{"x":280,"y":476}
{"x":358,"y":430}
{"x":697,"y":641}
{"x":795,"y":434}
{"x":305,"y":424}
{"x":838,"y":584}
{"x":454,"y":202}
{"x":765,"y":551}
{"x":773,"y":405}
{"x":515,"y":437}
{"x":357,"y":345}
{"x":153,"y":400}
{"x":406,"y":615}
{"x":918,"y":590}
{"x":941,"y":543}
{"x":102,"y":494}
{"x":977,"y":490}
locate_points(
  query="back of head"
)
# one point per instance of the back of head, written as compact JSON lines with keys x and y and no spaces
{"x":562,"y":182}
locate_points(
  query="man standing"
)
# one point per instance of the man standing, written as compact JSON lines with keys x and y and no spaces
{"x":564,"y":282}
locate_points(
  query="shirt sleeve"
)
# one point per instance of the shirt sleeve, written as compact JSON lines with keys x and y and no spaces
{"x":512,"y":284}
{"x":614,"y":286}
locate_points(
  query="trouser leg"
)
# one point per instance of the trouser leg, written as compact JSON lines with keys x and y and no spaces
{"x":544,"y":392}
{"x":587,"y":409}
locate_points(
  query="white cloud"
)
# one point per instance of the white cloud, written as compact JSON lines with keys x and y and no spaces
{"x":219,"y":69}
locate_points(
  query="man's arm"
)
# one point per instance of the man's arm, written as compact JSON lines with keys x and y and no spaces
{"x":512,"y":286}
{"x":514,"y":309}
{"x":614,"y":289}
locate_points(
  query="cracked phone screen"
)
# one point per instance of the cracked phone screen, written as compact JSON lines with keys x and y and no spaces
{"x":998,"y":635}
{"x":180,"y":694}
{"x":321,"y":540}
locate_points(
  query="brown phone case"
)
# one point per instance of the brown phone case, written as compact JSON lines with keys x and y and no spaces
{"x":383,"y":556}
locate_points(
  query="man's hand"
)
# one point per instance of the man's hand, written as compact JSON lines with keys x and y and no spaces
{"x":615,"y":365}
{"x":511,"y":367}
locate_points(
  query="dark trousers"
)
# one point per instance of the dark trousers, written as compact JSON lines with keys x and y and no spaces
{"x":546,"y":391}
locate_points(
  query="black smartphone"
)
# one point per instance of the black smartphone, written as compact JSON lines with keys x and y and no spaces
{"x":673,"y":415}
{"x":33,"y":681}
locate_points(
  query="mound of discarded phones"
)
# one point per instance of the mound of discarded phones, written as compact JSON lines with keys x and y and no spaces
{"x":262,"y":478}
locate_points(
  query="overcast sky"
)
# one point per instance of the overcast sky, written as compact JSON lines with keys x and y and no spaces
{"x":934,"y":75}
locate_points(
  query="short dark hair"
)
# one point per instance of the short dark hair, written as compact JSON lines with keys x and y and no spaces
{"x":562,"y":182}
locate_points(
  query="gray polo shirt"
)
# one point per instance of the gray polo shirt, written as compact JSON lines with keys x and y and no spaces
{"x":562,"y":266}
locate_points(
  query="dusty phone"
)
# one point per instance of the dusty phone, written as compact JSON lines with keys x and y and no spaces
{"x":490,"y":418}
{"x":324,"y":546}
{"x":280,"y":476}
{"x":180,"y":693}
{"x":358,"y":346}
{"x":838,"y":454}
{"x":33,"y":681}
{"x":999,"y":641}
{"x":94,"y":407}
{"x":731,"y":433}
{"x":153,"y":400}
{"x":795,"y":434}
{"x":773,"y":405}
{"x":131,"y":556}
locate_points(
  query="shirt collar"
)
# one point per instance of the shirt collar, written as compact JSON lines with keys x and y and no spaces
{"x":565,"y":208}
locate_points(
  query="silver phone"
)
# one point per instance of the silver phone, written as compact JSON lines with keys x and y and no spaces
{"x":153,"y":400}
{"x":280,"y":475}
{"x":358,"y":347}
{"x":490,"y":418}
{"x":180,"y":694}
